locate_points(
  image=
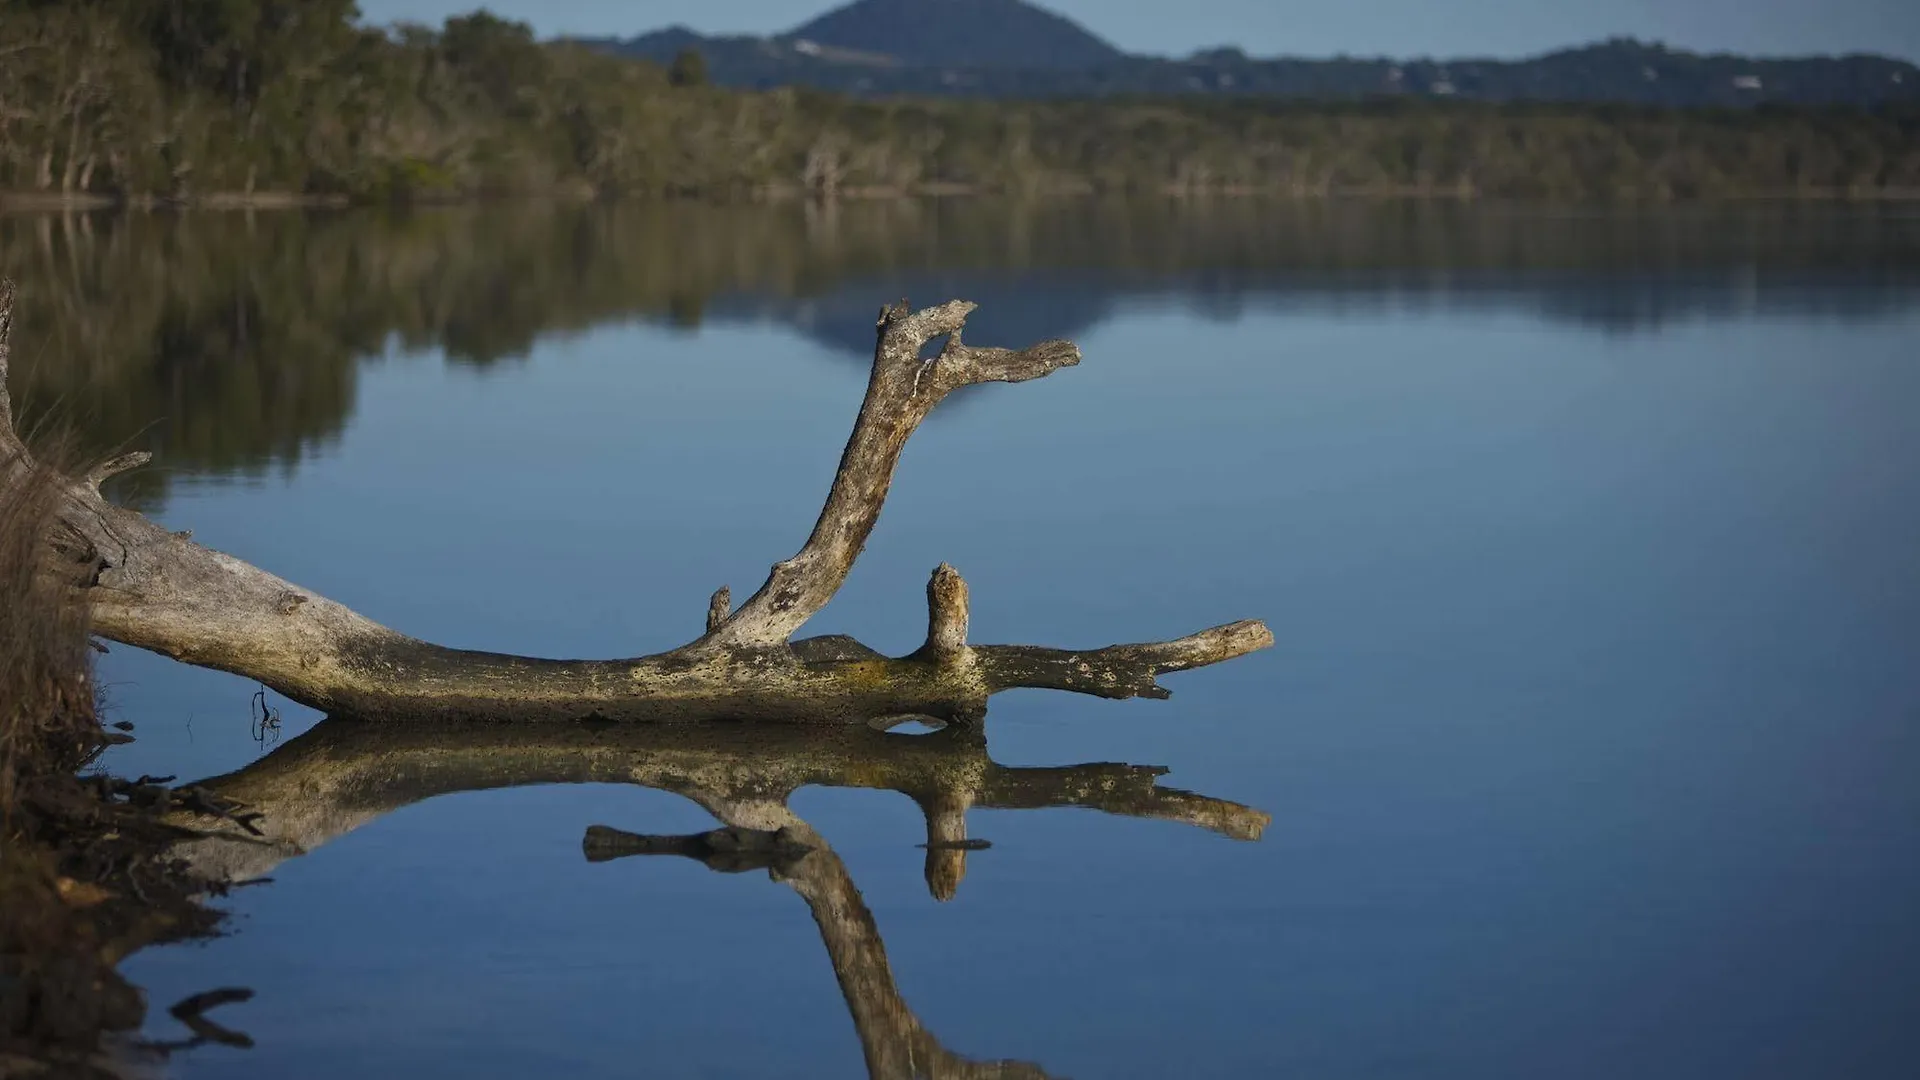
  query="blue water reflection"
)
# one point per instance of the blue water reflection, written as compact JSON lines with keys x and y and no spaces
{"x":1589,"y":736}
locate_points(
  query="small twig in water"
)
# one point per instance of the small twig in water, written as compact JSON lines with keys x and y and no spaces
{"x":266,"y":719}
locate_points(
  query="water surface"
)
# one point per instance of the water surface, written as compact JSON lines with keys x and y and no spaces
{"x":1588,"y":540}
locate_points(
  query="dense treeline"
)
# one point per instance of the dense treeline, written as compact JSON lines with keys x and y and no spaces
{"x":198,"y":98}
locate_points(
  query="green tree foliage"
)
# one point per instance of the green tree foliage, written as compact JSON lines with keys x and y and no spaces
{"x":185,"y":98}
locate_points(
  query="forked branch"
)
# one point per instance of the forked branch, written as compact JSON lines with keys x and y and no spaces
{"x":901,"y":391}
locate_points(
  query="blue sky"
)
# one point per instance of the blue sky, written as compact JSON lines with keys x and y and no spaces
{"x":1266,"y":27}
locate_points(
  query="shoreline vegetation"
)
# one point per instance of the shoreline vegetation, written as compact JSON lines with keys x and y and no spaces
{"x":276,"y":103}
{"x":35,"y":202}
{"x":85,"y":878}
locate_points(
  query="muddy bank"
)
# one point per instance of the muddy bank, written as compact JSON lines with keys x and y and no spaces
{"x":84,"y":882}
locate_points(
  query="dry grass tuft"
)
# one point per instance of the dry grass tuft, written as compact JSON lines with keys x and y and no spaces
{"x":48,"y":717}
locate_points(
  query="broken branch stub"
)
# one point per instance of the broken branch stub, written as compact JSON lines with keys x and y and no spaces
{"x":946,"y":612}
{"x":157,"y":590}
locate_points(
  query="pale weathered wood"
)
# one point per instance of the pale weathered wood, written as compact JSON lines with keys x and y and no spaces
{"x":158,"y":590}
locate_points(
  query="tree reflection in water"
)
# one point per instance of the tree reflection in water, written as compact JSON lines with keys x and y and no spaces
{"x":230,"y":344}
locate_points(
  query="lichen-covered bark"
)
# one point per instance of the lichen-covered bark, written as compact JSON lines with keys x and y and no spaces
{"x":154,"y":589}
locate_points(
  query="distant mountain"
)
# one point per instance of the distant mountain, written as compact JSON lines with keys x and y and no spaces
{"x":960,"y":33}
{"x":1010,"y":48}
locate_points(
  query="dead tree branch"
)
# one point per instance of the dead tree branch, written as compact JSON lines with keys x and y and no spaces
{"x":902,"y":390}
{"x":156,"y":590}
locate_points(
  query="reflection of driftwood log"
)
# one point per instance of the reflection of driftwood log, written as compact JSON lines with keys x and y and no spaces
{"x":896,"y":1044}
{"x":157,"y":590}
{"x":343,"y":774}
{"x":895,"y":1041}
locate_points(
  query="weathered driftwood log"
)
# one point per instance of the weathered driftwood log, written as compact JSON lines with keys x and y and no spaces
{"x":344,"y":774}
{"x":154,"y":589}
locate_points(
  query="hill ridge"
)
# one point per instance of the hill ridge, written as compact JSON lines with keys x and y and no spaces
{"x":959,"y":33}
{"x":863,"y":49}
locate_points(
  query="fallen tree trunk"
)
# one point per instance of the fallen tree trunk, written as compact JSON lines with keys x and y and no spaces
{"x":157,"y":590}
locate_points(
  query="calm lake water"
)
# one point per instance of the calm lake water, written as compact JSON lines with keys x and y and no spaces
{"x":1591,"y":542}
